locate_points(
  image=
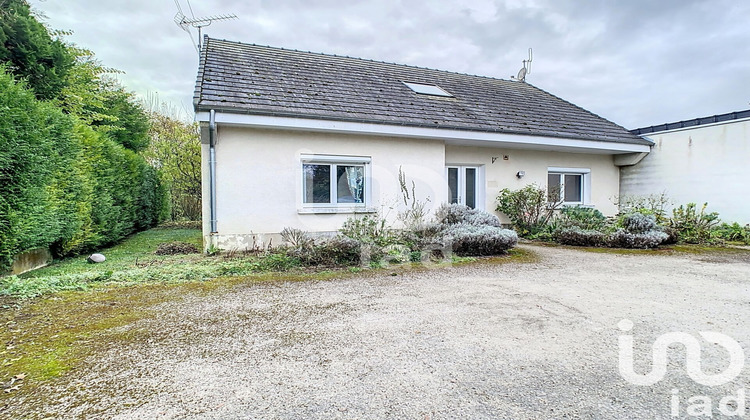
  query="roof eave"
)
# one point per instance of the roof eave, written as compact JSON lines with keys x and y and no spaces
{"x":449,"y":135}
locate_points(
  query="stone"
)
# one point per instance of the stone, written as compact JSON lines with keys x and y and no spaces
{"x":96,"y":258}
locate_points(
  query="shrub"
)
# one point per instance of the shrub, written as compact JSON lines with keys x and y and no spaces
{"x":584,"y":218}
{"x":296,"y":237}
{"x":653,"y":204}
{"x":733,"y":233}
{"x":693,"y":226}
{"x":175,"y":248}
{"x":648,"y":239}
{"x":451,"y":214}
{"x":528,"y":208}
{"x":420,"y":236}
{"x":577,"y":236}
{"x":637,"y":222}
{"x":369,"y":228}
{"x":334,"y":251}
{"x":473,"y":240}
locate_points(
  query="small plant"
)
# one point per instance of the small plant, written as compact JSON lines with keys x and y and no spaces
{"x":694,"y":226}
{"x":528,"y":208}
{"x":473,"y":240}
{"x":648,"y":239}
{"x":653,"y":204}
{"x":733,"y":233}
{"x":369,"y":228}
{"x":175,"y":248}
{"x":296,"y":237}
{"x":637,"y":222}
{"x":415,"y":212}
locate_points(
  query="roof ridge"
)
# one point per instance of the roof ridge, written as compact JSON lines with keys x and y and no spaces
{"x":361,"y":59}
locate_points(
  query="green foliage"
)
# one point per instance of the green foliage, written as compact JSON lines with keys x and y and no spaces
{"x":29,"y":51}
{"x":368,"y":228}
{"x":175,"y":149}
{"x":584,"y":218}
{"x":692,"y":225}
{"x":528,"y":208}
{"x":65,"y":186}
{"x":653,"y":204}
{"x":733,"y":233}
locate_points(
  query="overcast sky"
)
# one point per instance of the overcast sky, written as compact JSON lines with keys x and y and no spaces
{"x":635,"y":62}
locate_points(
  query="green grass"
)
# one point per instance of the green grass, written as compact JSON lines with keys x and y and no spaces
{"x":139,"y":247}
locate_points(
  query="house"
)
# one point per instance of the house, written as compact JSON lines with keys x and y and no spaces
{"x":697,"y":161}
{"x":306,"y":140}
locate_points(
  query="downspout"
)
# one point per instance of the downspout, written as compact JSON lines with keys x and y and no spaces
{"x":212,"y":170}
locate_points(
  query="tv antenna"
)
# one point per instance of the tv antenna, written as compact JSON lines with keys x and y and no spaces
{"x":186,"y":23}
{"x":521,"y":77}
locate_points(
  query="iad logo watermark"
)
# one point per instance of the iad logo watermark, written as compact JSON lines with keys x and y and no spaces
{"x":700,"y":405}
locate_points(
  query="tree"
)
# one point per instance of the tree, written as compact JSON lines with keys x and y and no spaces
{"x":175,"y":149}
{"x":29,"y":51}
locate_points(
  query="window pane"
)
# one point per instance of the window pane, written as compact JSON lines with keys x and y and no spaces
{"x":573,"y":188}
{"x":453,"y":185}
{"x":471,"y":187}
{"x":553,"y":187}
{"x":317,"y":183}
{"x":350,"y":184}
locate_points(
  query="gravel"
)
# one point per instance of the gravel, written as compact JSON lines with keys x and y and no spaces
{"x":523,"y":341}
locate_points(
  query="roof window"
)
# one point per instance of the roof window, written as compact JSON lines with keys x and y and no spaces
{"x":427,"y":89}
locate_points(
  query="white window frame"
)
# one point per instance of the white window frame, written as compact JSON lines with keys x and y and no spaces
{"x":479,"y":194}
{"x":585,"y":184}
{"x":334,"y":206}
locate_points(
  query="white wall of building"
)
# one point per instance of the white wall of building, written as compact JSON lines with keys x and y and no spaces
{"x":696,"y":165}
{"x":604,"y":175}
{"x":259,"y":179}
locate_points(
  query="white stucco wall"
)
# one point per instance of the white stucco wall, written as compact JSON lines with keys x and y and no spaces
{"x":701,"y":164}
{"x":502,"y":173}
{"x":259,"y":179}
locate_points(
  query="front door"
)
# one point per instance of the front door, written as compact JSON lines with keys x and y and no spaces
{"x":463,"y":182}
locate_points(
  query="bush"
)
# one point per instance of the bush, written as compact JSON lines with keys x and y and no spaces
{"x":528,"y":208}
{"x":693,"y":226}
{"x":64,"y":186}
{"x":452,"y":214}
{"x":472,"y":240}
{"x":577,"y":236}
{"x":369,"y":228}
{"x":296,"y":237}
{"x":584,"y":218}
{"x":653,"y":204}
{"x":335,"y":251}
{"x":648,"y":239}
{"x":637,"y":222}
{"x":733,"y":233}
{"x":175,"y":248}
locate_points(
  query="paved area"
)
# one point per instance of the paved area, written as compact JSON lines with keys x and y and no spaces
{"x":510,"y":341}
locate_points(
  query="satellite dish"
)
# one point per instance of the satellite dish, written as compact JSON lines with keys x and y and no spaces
{"x":521,"y":77}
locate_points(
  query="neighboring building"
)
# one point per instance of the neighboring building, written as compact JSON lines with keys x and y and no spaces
{"x":305,"y":140}
{"x":697,"y":161}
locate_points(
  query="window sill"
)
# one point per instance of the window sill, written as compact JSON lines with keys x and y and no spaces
{"x":336,"y":210}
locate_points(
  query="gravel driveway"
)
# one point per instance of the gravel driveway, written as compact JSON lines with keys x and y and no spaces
{"x":516,"y":341}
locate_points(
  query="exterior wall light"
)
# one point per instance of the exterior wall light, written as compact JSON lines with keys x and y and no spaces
{"x":520,"y":174}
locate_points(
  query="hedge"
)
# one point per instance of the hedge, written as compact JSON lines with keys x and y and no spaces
{"x":63,"y":185}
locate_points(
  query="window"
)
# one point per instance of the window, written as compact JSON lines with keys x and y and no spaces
{"x":427,"y":89}
{"x":463,"y":185}
{"x":568,"y":185}
{"x":335,"y":182}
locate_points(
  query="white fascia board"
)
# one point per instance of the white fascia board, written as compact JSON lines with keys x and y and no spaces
{"x":457,"y":137}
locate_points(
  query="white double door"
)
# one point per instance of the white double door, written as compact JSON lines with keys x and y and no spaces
{"x":464,"y":185}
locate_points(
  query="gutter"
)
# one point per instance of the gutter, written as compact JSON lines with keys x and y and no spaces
{"x":212,"y":170}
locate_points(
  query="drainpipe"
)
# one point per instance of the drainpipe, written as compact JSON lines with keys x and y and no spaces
{"x":212,"y":169}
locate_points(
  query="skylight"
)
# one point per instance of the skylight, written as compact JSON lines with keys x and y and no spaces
{"x":427,"y":89}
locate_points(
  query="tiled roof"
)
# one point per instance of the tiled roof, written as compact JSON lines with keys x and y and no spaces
{"x":260,"y":80}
